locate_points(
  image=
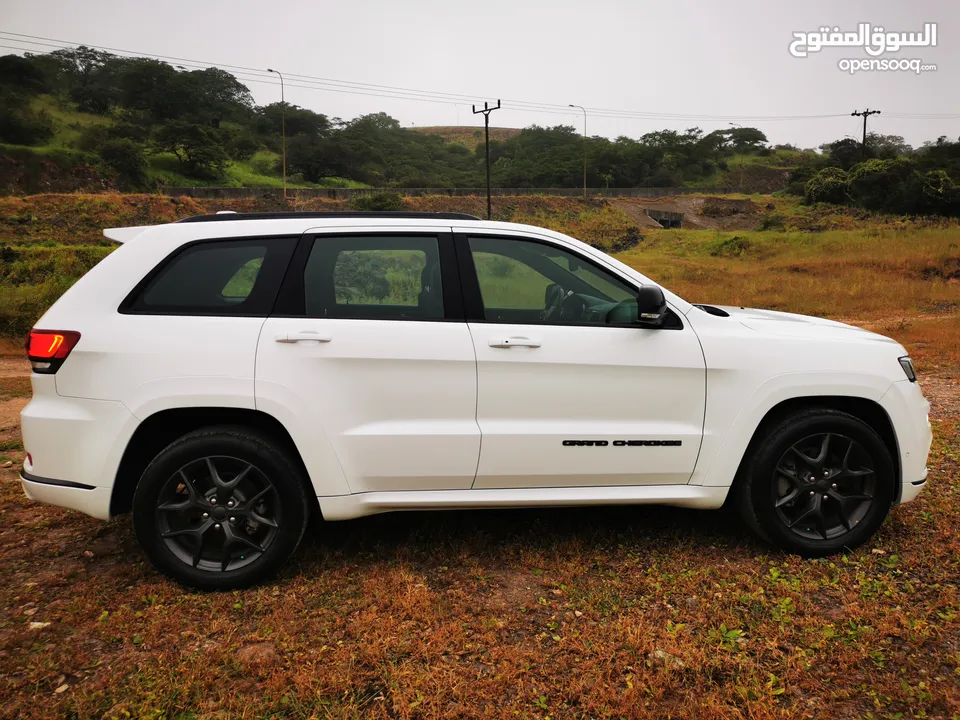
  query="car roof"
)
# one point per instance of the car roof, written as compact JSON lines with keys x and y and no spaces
{"x":232,"y":216}
{"x":239,"y":225}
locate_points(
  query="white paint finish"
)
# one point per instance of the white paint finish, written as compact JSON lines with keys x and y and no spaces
{"x":388,"y":410}
{"x":346,"y":507}
{"x":74,"y":439}
{"x":396,"y":398}
{"x":95,"y":502}
{"x":908,"y":410}
{"x":782,"y":356}
{"x":156,"y":362}
{"x":587,"y":383}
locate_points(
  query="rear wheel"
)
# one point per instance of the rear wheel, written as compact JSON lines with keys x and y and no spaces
{"x":220,"y":508}
{"x":820,"y":482}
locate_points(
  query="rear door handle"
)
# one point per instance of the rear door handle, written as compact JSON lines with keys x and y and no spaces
{"x":304,"y":336}
{"x":514,"y":342}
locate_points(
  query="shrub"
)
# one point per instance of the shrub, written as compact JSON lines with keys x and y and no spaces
{"x":829,"y":185}
{"x":774,"y":221}
{"x":378,"y":201}
{"x":242,"y":146}
{"x":20,"y":124}
{"x":126,"y":159}
{"x":734,"y":246}
{"x":887,"y":185}
{"x":938,"y":194}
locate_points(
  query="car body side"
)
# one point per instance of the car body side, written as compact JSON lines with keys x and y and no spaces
{"x":79,"y":426}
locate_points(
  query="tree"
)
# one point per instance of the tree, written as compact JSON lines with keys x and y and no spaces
{"x":89,"y":76}
{"x":21,"y":75}
{"x":317,"y":158}
{"x":887,"y":147}
{"x":299,"y":121}
{"x":199,"y":148}
{"x":844,"y":153}
{"x":746,"y":139}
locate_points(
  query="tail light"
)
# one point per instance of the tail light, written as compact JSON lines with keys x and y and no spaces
{"x":47,"y":349}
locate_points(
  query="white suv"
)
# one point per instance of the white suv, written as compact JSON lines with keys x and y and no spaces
{"x":226,"y":376}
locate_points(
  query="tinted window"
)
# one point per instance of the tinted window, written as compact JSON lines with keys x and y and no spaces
{"x":528,"y":282}
{"x":218,"y":278}
{"x":387,"y":277}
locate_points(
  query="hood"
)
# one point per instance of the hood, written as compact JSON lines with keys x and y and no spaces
{"x":783,"y":324}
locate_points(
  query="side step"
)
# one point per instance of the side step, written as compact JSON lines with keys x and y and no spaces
{"x":347,"y":507}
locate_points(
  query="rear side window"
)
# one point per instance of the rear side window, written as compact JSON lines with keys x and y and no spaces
{"x":221,"y":277}
{"x":374,"y":278}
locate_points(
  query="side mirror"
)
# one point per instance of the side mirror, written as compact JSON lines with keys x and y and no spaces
{"x":651,"y":306}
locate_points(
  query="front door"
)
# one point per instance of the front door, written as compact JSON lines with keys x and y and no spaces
{"x":375,"y":356}
{"x":570,"y":391}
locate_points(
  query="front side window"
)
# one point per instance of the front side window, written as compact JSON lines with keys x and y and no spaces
{"x":377,"y":278}
{"x":522,"y":281}
{"x":219,"y":277}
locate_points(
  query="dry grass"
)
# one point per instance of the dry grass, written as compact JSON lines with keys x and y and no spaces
{"x":600,"y":613}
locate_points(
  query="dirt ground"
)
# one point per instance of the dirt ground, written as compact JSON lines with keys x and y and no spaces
{"x":699,"y":213}
{"x":604,"y":612}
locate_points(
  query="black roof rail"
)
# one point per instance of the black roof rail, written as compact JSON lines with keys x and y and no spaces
{"x":229,"y":216}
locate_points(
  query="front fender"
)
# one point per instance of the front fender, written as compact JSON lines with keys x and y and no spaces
{"x":730,"y":425}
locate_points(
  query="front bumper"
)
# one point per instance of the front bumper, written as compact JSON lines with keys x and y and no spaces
{"x":908,"y":410}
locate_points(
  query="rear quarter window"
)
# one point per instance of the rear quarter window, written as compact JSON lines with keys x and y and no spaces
{"x":219,"y":277}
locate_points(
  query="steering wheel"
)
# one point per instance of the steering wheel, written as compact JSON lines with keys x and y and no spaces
{"x":555,"y":297}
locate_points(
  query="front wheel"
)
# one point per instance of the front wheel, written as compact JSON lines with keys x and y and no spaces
{"x":220,"y":508}
{"x":822,"y":481}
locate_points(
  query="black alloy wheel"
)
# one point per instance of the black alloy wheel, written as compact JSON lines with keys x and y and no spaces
{"x":823,"y":486}
{"x":815,"y":483}
{"x":218,"y":513}
{"x":221,"y":508}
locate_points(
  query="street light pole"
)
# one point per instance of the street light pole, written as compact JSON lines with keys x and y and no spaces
{"x":283,"y":130}
{"x":584,"y":147}
{"x":741,"y":159}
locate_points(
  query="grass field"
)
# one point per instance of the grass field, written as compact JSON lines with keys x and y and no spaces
{"x":69,"y":126}
{"x":600,"y":613}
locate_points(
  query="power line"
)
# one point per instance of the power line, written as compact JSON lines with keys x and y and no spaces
{"x":310,"y":82}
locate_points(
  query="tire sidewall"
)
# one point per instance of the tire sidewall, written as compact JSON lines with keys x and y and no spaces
{"x":250,"y":448}
{"x":762,"y":476}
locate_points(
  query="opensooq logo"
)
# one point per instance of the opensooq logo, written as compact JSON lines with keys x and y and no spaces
{"x":875,"y":41}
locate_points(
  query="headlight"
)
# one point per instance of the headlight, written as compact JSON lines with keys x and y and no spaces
{"x":907,"y":364}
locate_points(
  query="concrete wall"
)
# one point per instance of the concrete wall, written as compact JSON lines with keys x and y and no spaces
{"x":346,"y":193}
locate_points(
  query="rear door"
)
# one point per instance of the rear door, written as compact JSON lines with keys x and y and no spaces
{"x":571,"y":392}
{"x":368,"y":343}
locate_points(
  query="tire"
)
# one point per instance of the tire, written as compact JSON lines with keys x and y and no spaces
{"x":820,"y":482}
{"x":228,"y":528}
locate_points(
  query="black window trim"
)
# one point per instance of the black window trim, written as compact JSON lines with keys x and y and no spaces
{"x":473,"y":299}
{"x":129,"y":304}
{"x":291,"y":300}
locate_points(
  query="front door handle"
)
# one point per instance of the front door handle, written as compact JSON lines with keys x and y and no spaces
{"x":514,"y":342}
{"x":304,"y":336}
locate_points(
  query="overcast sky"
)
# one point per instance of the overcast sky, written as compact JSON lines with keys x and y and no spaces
{"x":682,"y":57}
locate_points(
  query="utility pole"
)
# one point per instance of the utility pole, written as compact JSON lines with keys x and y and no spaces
{"x":486,"y":127}
{"x":584,"y":147}
{"x":741,"y":158}
{"x":283,"y":130}
{"x":866,"y":113}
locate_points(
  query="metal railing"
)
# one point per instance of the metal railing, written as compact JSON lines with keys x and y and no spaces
{"x":346,"y":193}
